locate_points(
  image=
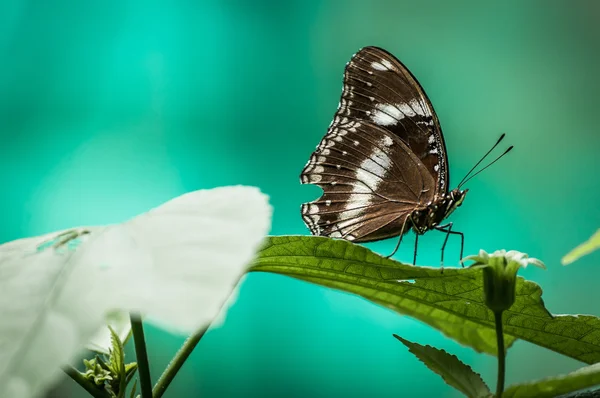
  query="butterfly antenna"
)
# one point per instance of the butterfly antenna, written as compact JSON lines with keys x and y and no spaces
{"x":481,"y":160}
{"x":498,"y":158}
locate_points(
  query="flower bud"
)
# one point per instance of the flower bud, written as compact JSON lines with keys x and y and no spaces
{"x":500,"y":275}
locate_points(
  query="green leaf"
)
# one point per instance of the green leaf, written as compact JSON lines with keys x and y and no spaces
{"x":451,"y":302}
{"x":593,"y":243}
{"x":117,"y":355}
{"x":117,"y":364}
{"x":585,"y":377}
{"x":130,"y":370}
{"x":132,"y":393}
{"x":453,"y":371}
{"x":95,"y":372}
{"x":103,"y":363}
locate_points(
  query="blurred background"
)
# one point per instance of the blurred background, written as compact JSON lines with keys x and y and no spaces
{"x":108,"y":108}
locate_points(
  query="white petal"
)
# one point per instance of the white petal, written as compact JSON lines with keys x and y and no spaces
{"x":536,"y":262}
{"x":177,"y":264}
{"x":484,"y":255}
{"x":498,"y":253}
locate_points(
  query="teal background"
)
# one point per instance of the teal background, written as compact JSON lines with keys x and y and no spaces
{"x":108,"y":108}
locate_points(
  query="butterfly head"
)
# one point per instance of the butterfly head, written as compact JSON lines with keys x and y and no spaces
{"x":457,"y":196}
{"x":453,"y":200}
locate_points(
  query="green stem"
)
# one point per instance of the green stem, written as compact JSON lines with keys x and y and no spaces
{"x":501,"y":354}
{"x":137,"y":329}
{"x":86,"y":384}
{"x":177,"y":362}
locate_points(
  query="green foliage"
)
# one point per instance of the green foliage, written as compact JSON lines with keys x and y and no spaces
{"x":96,"y":372}
{"x":553,"y":386}
{"x":451,"y":302}
{"x":133,"y":389}
{"x":453,"y":371}
{"x":117,"y":356}
{"x":593,"y":243}
{"x":460,"y":376}
{"x":111,"y":372}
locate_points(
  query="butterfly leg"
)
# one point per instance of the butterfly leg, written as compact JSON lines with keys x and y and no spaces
{"x":416,"y":245}
{"x":448,"y":230}
{"x":397,"y":247}
{"x":399,"y":240}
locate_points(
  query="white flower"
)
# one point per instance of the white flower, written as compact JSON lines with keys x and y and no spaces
{"x":176,"y":264}
{"x":500,"y":275}
{"x":522,"y":259}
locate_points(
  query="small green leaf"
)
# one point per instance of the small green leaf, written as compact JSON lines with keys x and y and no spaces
{"x":117,"y":355}
{"x":451,"y":302}
{"x":103,"y":363}
{"x":593,"y":243}
{"x":130,"y":370}
{"x":117,"y":360}
{"x":133,"y":389}
{"x":96,"y":373}
{"x":585,"y":377}
{"x":453,"y":371}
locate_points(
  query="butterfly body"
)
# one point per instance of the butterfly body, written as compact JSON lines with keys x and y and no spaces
{"x":382,"y":165}
{"x":430,"y":217}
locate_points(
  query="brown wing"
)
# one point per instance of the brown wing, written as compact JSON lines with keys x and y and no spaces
{"x":371,"y":182}
{"x":380,"y":89}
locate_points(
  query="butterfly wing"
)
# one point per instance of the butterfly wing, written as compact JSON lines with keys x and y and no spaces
{"x":371,"y":182}
{"x":380,"y":89}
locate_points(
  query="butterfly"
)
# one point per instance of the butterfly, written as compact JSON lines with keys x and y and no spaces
{"x":382,"y":165}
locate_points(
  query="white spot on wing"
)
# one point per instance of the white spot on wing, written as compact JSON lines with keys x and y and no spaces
{"x":386,"y":115}
{"x":406,"y":109}
{"x":311,"y":178}
{"x":367,"y":174}
{"x":417,"y":106}
{"x":387,"y":141}
{"x":384,"y":64}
